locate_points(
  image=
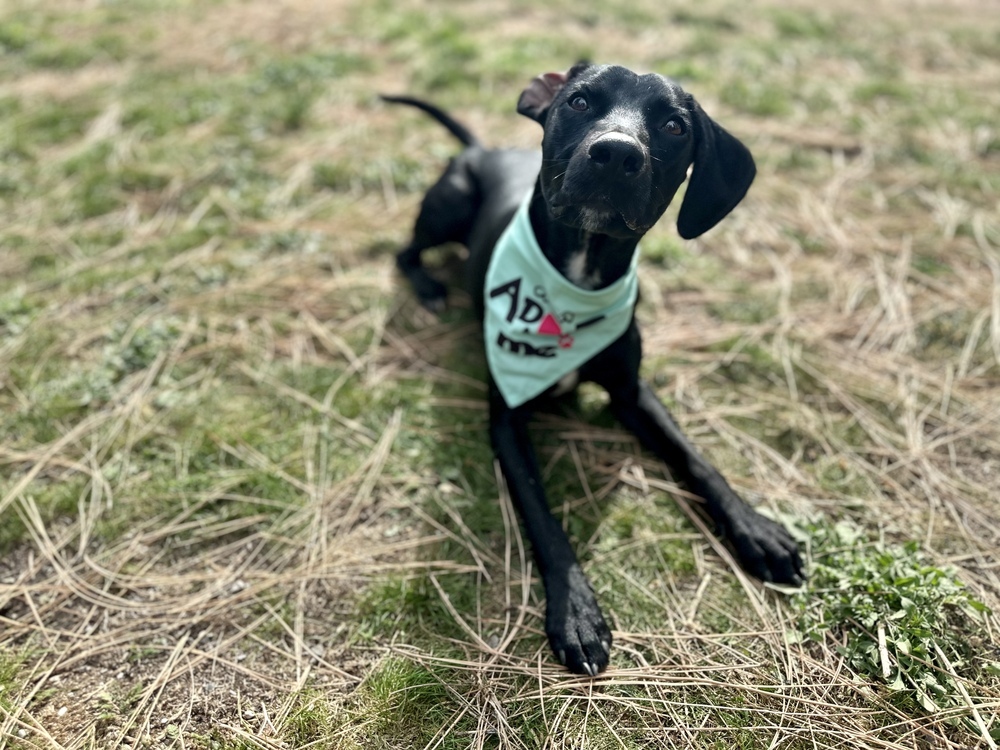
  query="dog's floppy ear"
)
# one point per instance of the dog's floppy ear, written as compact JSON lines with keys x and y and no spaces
{"x":537,"y":98}
{"x":722,"y":173}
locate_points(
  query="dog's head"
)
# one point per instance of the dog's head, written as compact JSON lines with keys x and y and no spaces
{"x":617,"y":145}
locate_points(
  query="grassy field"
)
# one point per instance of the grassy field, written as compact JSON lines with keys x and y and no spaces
{"x":246,"y":492}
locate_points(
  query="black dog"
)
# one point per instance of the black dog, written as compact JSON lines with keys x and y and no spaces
{"x":616,"y":147}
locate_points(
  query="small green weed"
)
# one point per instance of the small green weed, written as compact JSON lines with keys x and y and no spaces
{"x":10,"y":669}
{"x":116,"y":702}
{"x":902,"y":620}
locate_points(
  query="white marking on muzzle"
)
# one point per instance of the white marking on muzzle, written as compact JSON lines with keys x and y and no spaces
{"x":626,"y":121}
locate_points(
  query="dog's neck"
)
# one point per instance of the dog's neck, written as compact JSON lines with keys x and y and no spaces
{"x":588,"y":259}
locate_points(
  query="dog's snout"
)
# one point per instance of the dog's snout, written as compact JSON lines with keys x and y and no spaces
{"x":618,"y":154}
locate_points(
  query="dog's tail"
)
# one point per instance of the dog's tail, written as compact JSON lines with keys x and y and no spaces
{"x":456,"y":128}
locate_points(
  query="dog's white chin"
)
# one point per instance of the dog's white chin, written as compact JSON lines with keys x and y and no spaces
{"x":595,"y":220}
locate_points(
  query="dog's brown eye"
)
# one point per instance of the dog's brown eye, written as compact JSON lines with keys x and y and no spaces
{"x":578,"y":103}
{"x":674,"y":127}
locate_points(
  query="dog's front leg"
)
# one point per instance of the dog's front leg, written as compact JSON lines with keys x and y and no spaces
{"x":576,"y":629}
{"x":764,"y":548}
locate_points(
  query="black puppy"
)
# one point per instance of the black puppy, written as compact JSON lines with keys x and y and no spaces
{"x":551,"y":270}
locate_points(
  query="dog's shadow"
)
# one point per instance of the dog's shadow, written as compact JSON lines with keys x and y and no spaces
{"x":496,"y":601}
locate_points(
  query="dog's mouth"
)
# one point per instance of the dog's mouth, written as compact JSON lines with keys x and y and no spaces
{"x":597,"y":214}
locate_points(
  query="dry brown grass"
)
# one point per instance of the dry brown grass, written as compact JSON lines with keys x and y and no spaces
{"x":181,"y":628}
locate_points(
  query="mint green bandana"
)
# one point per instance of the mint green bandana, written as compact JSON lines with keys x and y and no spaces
{"x":539,"y":326}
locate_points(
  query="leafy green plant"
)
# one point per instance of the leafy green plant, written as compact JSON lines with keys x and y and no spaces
{"x":899,"y":618}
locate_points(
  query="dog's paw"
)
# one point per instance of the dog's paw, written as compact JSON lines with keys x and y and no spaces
{"x":433,"y":295}
{"x":578,"y":634}
{"x":435,"y":305}
{"x":765,"y":549}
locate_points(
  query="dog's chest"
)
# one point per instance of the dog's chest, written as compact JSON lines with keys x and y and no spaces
{"x":576,"y":271}
{"x":566,"y":383}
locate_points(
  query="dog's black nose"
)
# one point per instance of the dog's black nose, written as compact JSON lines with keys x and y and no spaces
{"x":617,"y":154}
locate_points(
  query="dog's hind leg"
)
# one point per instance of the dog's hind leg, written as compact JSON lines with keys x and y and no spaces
{"x":446,"y":215}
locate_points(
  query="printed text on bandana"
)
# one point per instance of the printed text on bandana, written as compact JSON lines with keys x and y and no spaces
{"x":530,"y":311}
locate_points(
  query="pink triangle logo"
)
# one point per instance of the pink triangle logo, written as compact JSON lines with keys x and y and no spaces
{"x":550,"y":326}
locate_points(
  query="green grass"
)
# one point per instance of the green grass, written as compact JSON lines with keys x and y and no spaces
{"x":246,"y":487}
{"x":897,"y":618}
